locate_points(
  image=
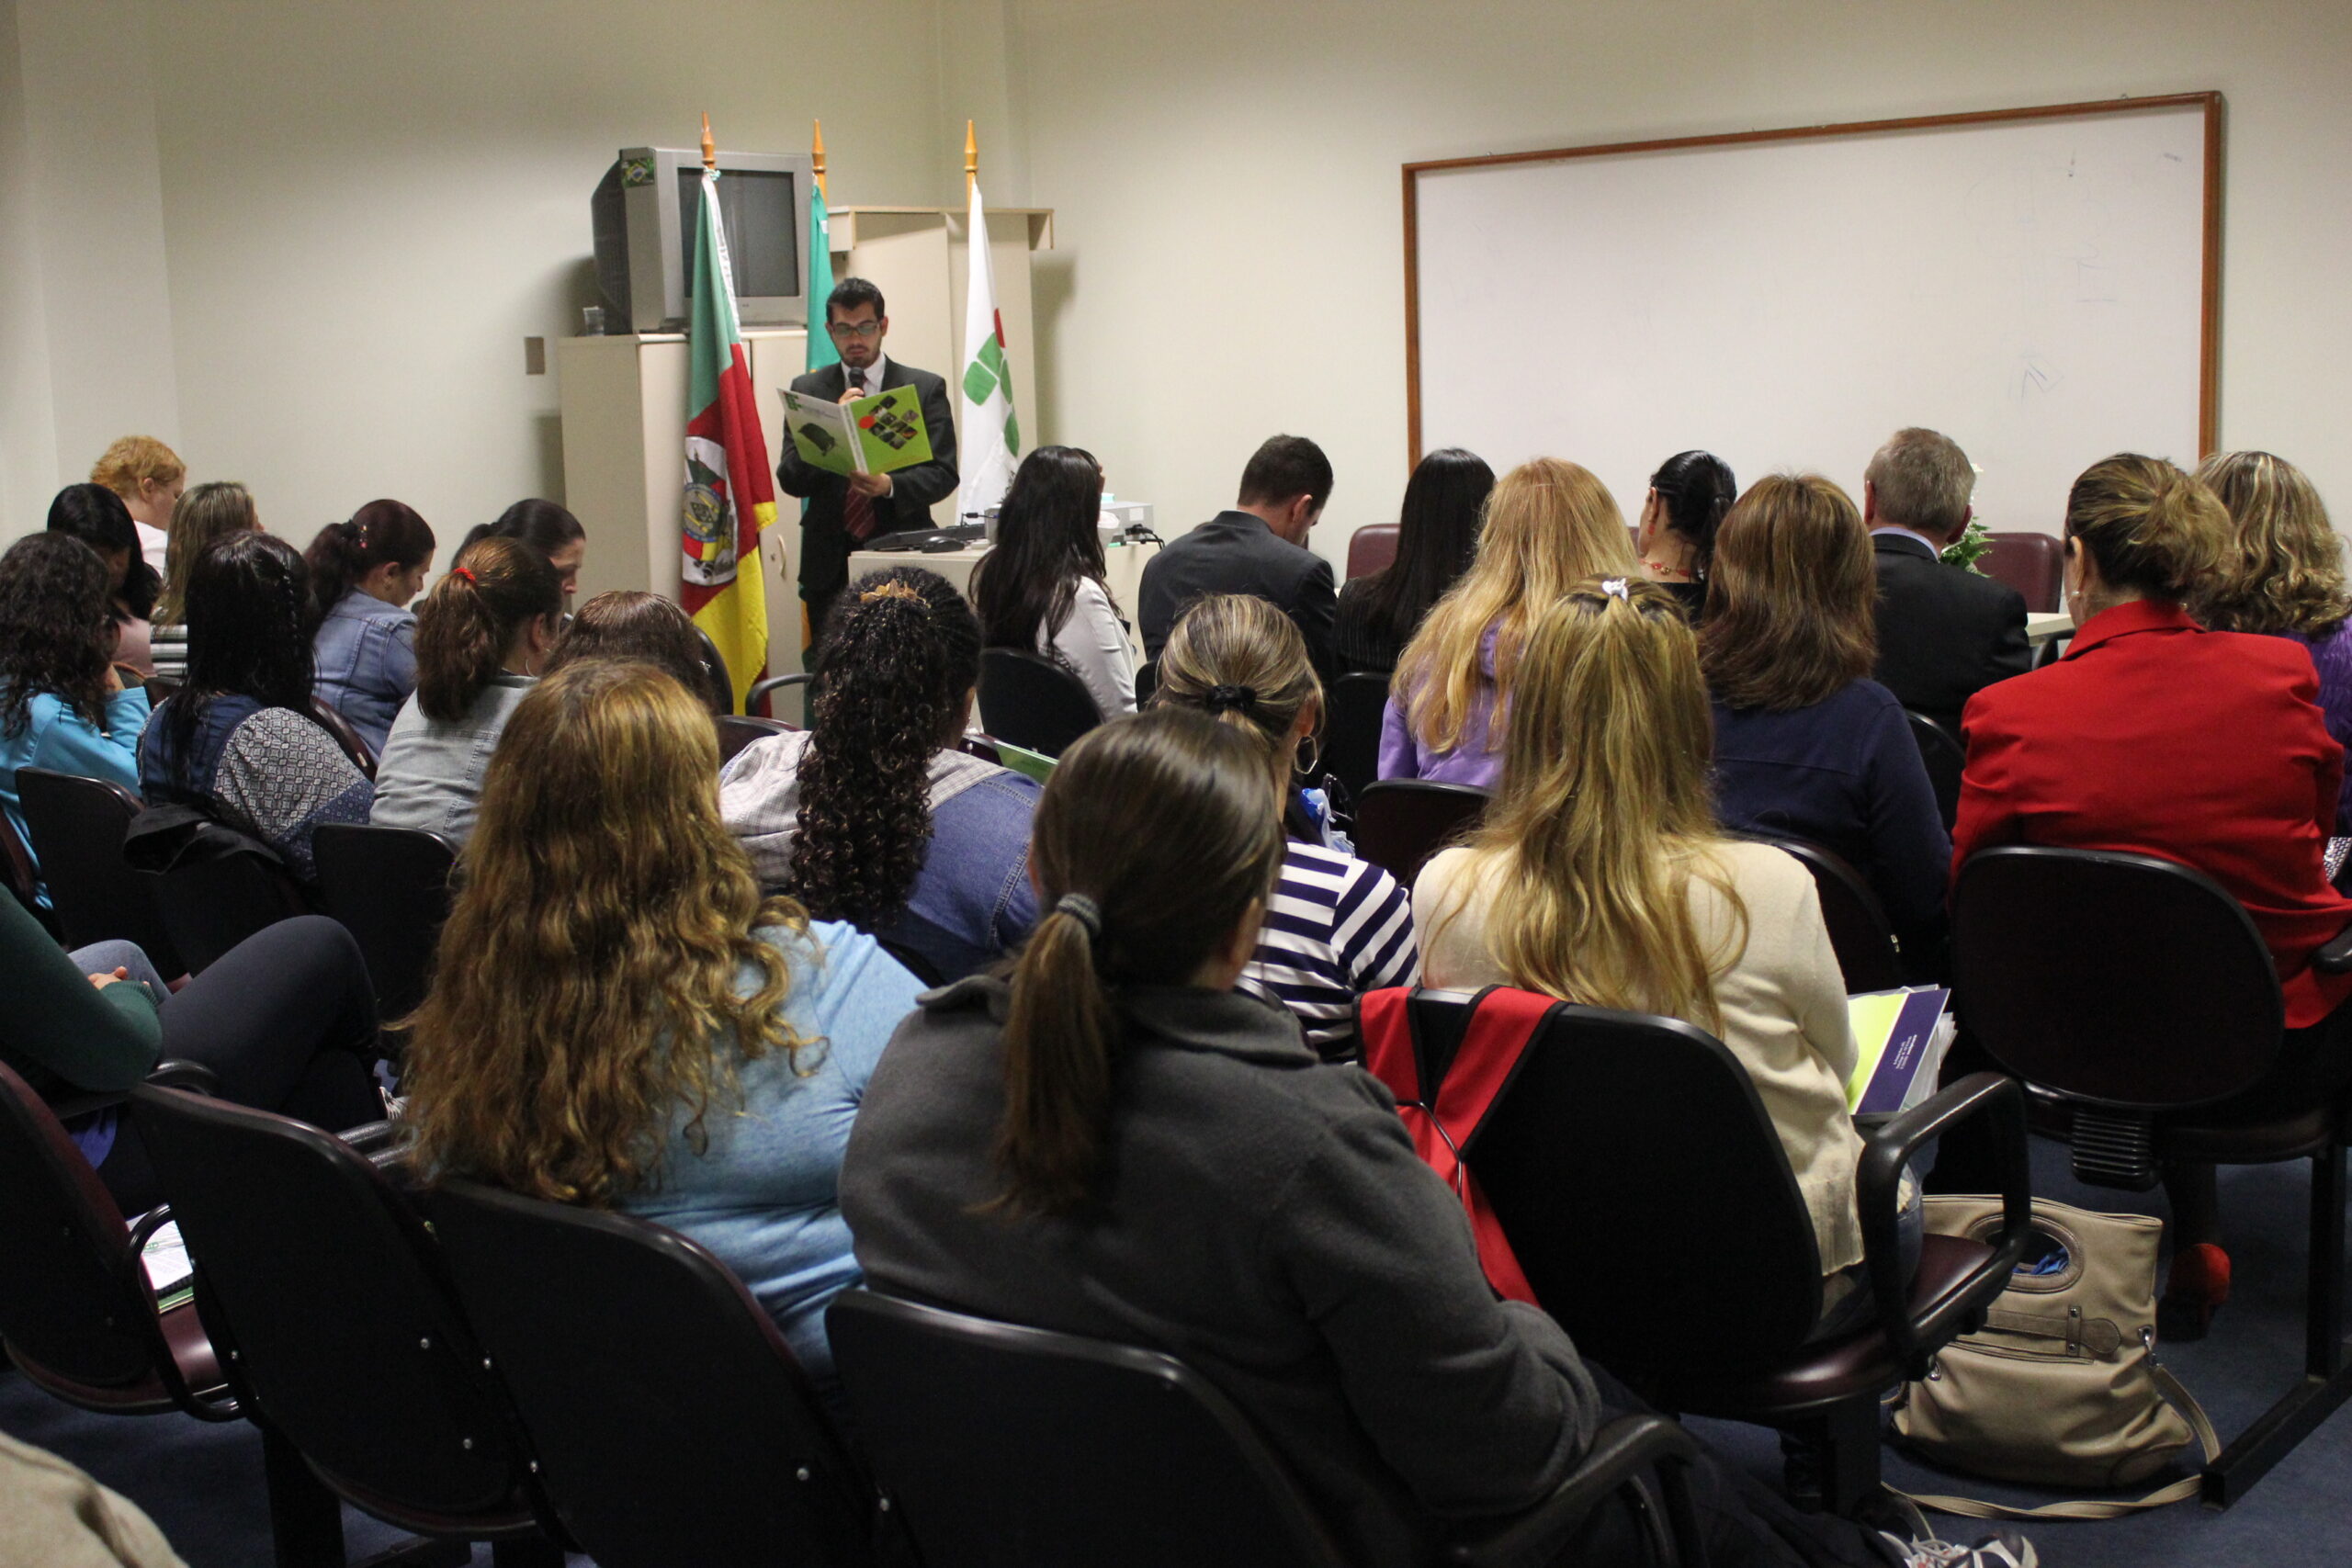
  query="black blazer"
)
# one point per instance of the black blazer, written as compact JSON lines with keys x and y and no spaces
{"x":825,"y":544}
{"x":1944,"y":634}
{"x":1235,"y":552}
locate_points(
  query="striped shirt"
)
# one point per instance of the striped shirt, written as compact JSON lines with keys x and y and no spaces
{"x":1337,"y":927}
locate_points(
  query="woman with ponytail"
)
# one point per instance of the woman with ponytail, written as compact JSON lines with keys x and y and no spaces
{"x":482,"y":637}
{"x":363,"y":575}
{"x":874,"y":815}
{"x":547,"y":528}
{"x":2156,"y":736}
{"x":1337,"y":926}
{"x":1690,"y":496}
{"x":619,"y":1020}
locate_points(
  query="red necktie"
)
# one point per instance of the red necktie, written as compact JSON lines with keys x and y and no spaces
{"x":857,"y":510}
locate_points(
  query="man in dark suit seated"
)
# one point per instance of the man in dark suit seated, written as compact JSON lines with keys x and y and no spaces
{"x":1944,"y":633}
{"x":846,"y":511}
{"x":1257,"y":547}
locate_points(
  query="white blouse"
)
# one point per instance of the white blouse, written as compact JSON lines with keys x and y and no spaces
{"x":1093,"y":644}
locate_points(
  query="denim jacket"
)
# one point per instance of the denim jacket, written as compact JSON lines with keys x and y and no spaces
{"x":366,"y":662}
{"x":971,"y":902}
{"x":430,"y":775}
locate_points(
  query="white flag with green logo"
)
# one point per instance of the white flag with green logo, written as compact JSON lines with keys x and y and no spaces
{"x":990,"y":441}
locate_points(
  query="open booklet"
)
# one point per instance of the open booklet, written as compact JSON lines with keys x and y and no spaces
{"x":1900,"y":1039}
{"x":168,"y":1269}
{"x":879,"y":435}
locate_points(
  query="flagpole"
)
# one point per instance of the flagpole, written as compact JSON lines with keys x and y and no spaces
{"x":972,"y":161}
{"x":817,"y":156}
{"x":709,"y":148}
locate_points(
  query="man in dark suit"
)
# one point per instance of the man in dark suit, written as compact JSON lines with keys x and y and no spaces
{"x":1259,"y":547}
{"x":845,"y":512}
{"x":1944,"y":633}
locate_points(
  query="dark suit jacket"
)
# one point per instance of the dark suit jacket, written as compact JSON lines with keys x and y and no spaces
{"x":825,"y":544}
{"x":1235,"y":552}
{"x":2156,"y":737}
{"x":1944,"y":634}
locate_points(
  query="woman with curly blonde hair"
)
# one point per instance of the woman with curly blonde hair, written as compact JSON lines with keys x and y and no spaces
{"x":619,"y":1021}
{"x":2285,"y":579}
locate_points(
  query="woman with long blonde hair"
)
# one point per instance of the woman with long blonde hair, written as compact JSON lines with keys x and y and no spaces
{"x":618,"y":1019}
{"x":2286,"y":580}
{"x":202,"y":515}
{"x":1599,"y":876}
{"x":1550,"y":525}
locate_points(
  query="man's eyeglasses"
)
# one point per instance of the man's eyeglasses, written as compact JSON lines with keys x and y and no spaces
{"x":855,"y":328}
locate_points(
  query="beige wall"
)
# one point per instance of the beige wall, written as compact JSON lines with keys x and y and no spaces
{"x":1226,"y":176}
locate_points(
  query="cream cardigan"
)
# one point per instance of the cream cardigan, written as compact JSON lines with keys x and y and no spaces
{"x":1782,"y":999}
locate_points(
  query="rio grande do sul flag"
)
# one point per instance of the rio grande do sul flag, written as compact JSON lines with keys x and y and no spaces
{"x":729,"y":496}
{"x":990,"y":440}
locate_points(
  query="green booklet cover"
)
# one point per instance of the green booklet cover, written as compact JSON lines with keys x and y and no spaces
{"x":879,"y":435}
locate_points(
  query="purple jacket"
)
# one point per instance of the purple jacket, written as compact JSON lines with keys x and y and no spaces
{"x":1402,"y":756}
{"x":2332,"y":656}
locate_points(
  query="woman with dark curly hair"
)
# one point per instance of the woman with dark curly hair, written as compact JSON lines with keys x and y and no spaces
{"x":62,"y":706}
{"x":97,"y":516}
{"x":238,"y":740}
{"x":874,"y":815}
{"x":1041,"y":588}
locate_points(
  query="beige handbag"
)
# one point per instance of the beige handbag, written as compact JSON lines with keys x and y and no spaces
{"x":2061,"y":1387}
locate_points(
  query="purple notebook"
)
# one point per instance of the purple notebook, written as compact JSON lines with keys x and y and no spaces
{"x":1899,"y":1049}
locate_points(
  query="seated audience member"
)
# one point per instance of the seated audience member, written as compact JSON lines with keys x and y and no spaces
{"x":1437,"y":538}
{"x":638,"y":1030}
{"x":482,"y":637}
{"x":95,"y":515}
{"x":147,"y":475}
{"x":238,"y":740}
{"x":203,"y":514}
{"x":1550,"y":525}
{"x":2285,"y":578}
{"x":286,"y":1019}
{"x":56,"y":1514}
{"x":1944,"y":632}
{"x":1111,"y":1143}
{"x":2157,"y":737}
{"x":62,"y":705}
{"x":546,"y":528}
{"x":1040,"y":588}
{"x":364,"y":573}
{"x":874,"y":815}
{"x":1599,"y":876}
{"x":1687,"y":498}
{"x":1807,"y":745}
{"x":1258,"y":546}
{"x":1337,"y":927}
{"x":628,"y":623}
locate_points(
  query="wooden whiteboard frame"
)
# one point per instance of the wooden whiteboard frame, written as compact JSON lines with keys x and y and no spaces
{"x":2208,"y":329}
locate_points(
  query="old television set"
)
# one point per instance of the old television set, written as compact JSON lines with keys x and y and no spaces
{"x":645,"y":210}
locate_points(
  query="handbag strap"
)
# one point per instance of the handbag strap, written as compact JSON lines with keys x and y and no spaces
{"x":2164,"y":1496}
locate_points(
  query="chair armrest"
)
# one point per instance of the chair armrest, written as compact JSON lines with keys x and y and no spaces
{"x":1621,"y":1453}
{"x":773,"y":684}
{"x":194,"y":1076}
{"x":2335,"y":956}
{"x":381,"y":1143}
{"x":1877,"y":1182}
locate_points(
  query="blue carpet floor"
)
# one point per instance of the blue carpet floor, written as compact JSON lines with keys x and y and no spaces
{"x":203,"y":1487}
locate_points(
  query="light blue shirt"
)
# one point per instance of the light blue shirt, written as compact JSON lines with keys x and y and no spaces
{"x":764,"y":1195}
{"x":56,"y":737}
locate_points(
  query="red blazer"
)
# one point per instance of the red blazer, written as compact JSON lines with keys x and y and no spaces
{"x":2155,"y":736}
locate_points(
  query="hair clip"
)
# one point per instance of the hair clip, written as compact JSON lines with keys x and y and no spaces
{"x":889,"y":591}
{"x":1222,"y":698}
{"x":1615,"y":588}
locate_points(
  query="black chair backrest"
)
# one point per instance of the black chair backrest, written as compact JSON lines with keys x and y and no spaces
{"x":736,"y":731}
{"x":321,"y":1284}
{"x":672,"y":1421}
{"x":76,"y":828}
{"x":1032,"y":702}
{"x":1352,"y":712}
{"x":763,"y":691}
{"x":2033,"y":564}
{"x":1585,"y":1177}
{"x":210,"y":902}
{"x":912,"y":962}
{"x":353,"y":744}
{"x":16,"y":870}
{"x":1371,"y":549}
{"x":1400,"y":823}
{"x":1941,"y":750}
{"x":720,"y":693}
{"x":390,"y":888}
{"x":1147,"y":682}
{"x":73,"y":1301}
{"x":1008,"y":1447}
{"x":2118,"y":978}
{"x":1859,"y":929}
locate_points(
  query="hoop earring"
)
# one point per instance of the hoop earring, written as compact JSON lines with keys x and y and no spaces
{"x":1307,"y":768}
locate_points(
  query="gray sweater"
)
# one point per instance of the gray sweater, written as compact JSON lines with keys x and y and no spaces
{"x":430,"y":775}
{"x":1265,"y":1220}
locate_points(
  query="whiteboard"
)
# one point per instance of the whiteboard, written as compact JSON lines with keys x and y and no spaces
{"x":2035,"y":288}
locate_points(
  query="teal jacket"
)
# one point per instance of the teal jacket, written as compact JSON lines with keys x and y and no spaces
{"x":58,"y":737}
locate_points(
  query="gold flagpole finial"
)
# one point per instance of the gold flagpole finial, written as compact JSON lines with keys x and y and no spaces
{"x":816,"y":155}
{"x":972,"y":161}
{"x":709,"y":148}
